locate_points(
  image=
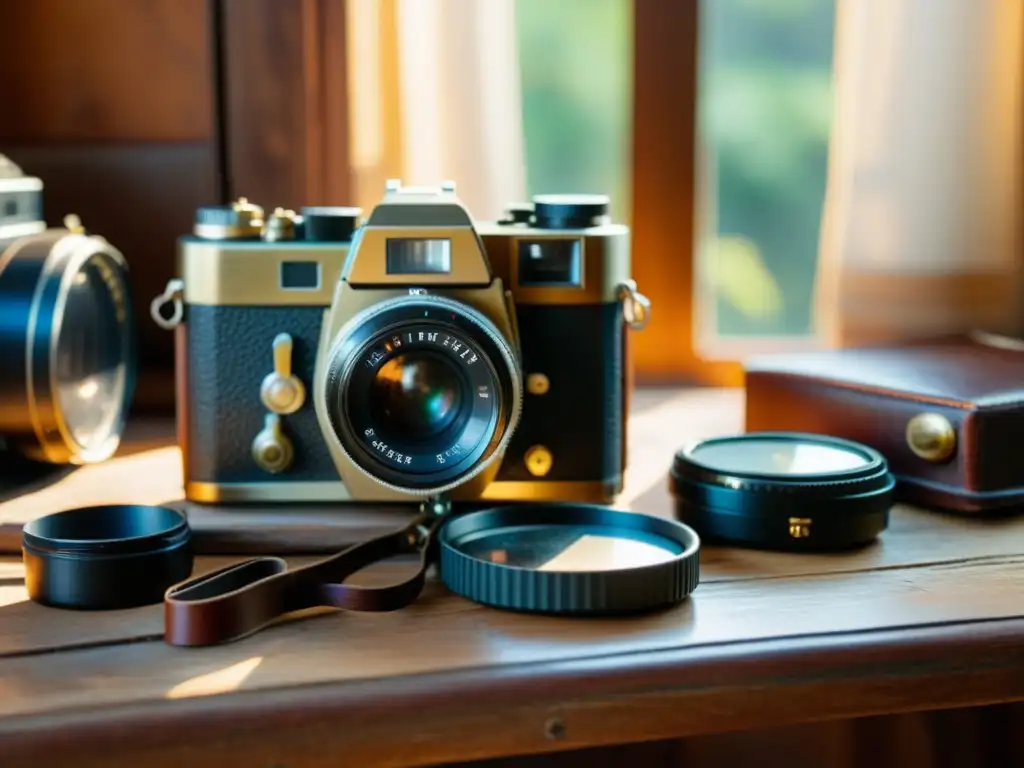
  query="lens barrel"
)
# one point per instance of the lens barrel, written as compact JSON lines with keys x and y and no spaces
{"x":423,"y":392}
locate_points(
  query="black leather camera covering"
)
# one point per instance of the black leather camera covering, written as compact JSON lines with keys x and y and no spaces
{"x":579,"y":348}
{"x":230,"y":351}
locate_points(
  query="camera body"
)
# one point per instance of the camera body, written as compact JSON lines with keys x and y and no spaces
{"x":413,"y":354}
{"x":21,"y":204}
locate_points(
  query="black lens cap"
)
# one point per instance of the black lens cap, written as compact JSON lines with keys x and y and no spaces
{"x":783,"y":490}
{"x":578,"y":559}
{"x":570,"y":211}
{"x":105,"y":557}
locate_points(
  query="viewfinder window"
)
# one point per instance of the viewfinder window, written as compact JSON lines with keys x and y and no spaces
{"x":419,"y":257}
{"x":300,"y":275}
{"x":550,"y":262}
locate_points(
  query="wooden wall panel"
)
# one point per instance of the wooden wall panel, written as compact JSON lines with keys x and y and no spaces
{"x":285,"y":115}
{"x":136,"y":112}
{"x":112,"y":104}
{"x":105,"y":70}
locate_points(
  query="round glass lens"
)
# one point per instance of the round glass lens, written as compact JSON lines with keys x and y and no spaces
{"x":569,"y":548}
{"x":415,"y":396}
{"x":771,"y":456}
{"x":91,"y":352}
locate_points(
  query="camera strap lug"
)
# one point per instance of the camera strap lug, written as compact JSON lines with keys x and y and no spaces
{"x":636,"y":308}
{"x":173,"y":294}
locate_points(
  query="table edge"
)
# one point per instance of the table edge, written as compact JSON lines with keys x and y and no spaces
{"x":680,"y":692}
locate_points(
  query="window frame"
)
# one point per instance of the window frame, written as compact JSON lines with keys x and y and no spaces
{"x":666,"y":199}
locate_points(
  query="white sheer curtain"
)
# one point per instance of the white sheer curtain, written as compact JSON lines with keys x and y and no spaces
{"x":921,"y":231}
{"x":435,"y":96}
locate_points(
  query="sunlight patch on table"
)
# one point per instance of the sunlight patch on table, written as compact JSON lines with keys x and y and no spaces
{"x":220,"y":681}
{"x":12,"y":595}
{"x":150,"y":477}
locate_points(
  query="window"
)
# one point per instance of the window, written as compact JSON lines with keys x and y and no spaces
{"x":713,"y":116}
{"x":575,"y":62}
{"x":764,"y":113}
{"x":506,"y":97}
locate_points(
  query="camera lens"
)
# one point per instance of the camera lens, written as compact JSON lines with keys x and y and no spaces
{"x":423,"y":393}
{"x":416,"y":397}
{"x":66,"y":316}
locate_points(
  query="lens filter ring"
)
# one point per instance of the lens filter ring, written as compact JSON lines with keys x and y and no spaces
{"x":68,"y":327}
{"x":423,"y":393}
{"x":577,"y":559}
{"x":783,"y":490}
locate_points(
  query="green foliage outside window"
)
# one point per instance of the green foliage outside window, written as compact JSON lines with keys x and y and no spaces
{"x":765,"y":114}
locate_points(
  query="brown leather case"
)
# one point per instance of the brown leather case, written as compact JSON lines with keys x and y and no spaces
{"x":870,"y":395}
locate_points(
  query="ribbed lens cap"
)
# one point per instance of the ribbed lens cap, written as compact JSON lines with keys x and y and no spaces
{"x":569,"y":559}
{"x":570,"y":211}
{"x":783,"y":490}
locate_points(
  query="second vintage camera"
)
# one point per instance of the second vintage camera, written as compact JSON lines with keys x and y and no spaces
{"x":321,"y":358}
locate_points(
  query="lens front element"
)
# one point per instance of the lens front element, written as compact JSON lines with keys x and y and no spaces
{"x":90,"y":353}
{"x":423,"y":392}
{"x":67,"y":332}
{"x":416,"y":397}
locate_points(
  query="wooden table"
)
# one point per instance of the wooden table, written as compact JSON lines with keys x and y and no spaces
{"x":930,"y":617}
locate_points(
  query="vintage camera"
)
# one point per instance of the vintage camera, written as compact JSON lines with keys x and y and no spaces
{"x":413,"y":354}
{"x":67,"y":340}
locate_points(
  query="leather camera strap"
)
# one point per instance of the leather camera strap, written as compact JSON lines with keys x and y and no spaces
{"x":239,"y":600}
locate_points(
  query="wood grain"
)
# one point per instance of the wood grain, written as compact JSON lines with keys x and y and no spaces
{"x":106,"y":71}
{"x":930,"y":617}
{"x":455,"y":634}
{"x":431,"y":718}
{"x":285,"y":104}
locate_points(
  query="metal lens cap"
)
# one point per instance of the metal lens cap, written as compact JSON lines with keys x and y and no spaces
{"x":570,"y":211}
{"x":569,"y":559}
{"x":783,"y":490}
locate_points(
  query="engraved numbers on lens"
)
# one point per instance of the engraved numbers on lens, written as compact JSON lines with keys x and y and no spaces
{"x":460,"y":349}
{"x":382,"y":448}
{"x":452,"y":453}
